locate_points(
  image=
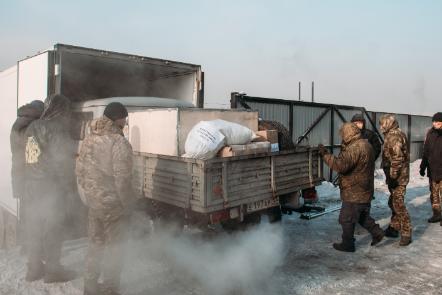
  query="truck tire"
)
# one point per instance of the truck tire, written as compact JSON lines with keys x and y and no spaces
{"x":274,"y":214}
{"x":236,"y":225}
{"x":166,"y":216}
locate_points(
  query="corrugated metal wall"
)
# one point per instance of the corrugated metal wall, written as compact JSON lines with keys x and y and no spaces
{"x":326,"y":131}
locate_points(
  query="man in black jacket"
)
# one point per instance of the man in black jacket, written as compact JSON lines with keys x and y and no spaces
{"x":50,"y":178}
{"x":371,"y":136}
{"x":26,"y":114}
{"x":432,"y":162}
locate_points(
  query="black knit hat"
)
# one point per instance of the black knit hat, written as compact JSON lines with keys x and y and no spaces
{"x":115,"y":111}
{"x":358,"y":118}
{"x":437,"y":117}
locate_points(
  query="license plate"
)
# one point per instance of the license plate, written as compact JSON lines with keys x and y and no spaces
{"x":263,"y":204}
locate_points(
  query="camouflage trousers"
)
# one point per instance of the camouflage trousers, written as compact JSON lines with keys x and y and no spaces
{"x":400,"y":219}
{"x":106,"y":232}
{"x":436,"y":191}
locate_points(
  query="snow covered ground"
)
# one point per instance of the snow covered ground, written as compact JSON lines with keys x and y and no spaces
{"x":295,"y":257}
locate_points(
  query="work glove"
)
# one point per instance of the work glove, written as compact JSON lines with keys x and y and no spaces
{"x":422,"y":172}
{"x":322,"y":150}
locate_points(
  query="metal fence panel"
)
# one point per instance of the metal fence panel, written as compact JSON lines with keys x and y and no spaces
{"x":304,"y":117}
{"x":419,"y":127}
{"x":274,"y":112}
{"x":326,"y":131}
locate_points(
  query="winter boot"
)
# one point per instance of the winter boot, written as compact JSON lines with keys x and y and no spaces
{"x":391,"y":232}
{"x":376,"y":239}
{"x":344,"y":247}
{"x":58,"y":274}
{"x":405,"y":241}
{"x":35,"y":272}
{"x":436,"y":216}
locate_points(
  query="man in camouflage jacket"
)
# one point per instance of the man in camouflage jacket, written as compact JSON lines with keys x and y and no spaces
{"x":104,"y":172}
{"x":396,"y":165}
{"x":355,"y":165}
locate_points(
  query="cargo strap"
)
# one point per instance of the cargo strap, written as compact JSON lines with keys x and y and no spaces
{"x":224,"y":180}
{"x":272,"y":177}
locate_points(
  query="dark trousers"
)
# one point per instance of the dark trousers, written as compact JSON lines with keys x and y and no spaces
{"x":352,"y":213}
{"x":44,"y":213}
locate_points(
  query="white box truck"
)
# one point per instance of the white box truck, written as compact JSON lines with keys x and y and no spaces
{"x":84,"y":74}
{"x":199,"y":191}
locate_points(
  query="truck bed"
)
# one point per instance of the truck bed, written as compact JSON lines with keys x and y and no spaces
{"x":206,"y":186}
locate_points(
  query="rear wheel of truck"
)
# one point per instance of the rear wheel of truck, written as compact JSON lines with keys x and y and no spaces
{"x":274,"y":214}
{"x":166,"y":217}
{"x":236,"y":225}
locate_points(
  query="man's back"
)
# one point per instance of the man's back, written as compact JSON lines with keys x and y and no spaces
{"x":104,"y":167}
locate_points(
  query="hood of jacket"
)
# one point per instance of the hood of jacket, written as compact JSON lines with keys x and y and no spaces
{"x":56,"y":106}
{"x":349,"y":132}
{"x":388,"y":123}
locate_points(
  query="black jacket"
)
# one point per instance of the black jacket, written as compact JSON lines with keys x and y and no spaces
{"x":26,"y":114}
{"x":373,"y":139}
{"x":432,"y":156}
{"x":50,"y":151}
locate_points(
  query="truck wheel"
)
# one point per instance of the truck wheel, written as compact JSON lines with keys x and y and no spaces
{"x":164,"y":216}
{"x":236,"y":225}
{"x":274,"y":214}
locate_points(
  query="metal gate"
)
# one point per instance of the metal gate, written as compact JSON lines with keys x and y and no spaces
{"x":314,"y":123}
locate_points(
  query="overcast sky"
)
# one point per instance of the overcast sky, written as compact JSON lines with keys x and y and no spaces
{"x":384,"y":55}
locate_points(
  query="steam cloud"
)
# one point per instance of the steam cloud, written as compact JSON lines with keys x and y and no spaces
{"x":239,"y":263}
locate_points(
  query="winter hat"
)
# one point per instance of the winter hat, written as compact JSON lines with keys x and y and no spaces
{"x":358,"y":118}
{"x":38,"y":105}
{"x":115,"y":111}
{"x":437,"y":117}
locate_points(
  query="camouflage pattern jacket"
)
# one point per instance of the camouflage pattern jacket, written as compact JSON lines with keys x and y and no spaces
{"x":395,"y":154}
{"x":355,"y":164}
{"x":104,"y":168}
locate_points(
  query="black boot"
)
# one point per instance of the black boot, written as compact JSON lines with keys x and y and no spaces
{"x":391,"y":232}
{"x":35,"y":272}
{"x":344,"y":247}
{"x":436,"y":216}
{"x":58,"y":274}
{"x":377,"y":238}
{"x":405,"y":241}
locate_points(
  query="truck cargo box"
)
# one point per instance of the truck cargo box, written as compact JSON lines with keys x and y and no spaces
{"x":164,"y":131}
{"x":206,"y":186}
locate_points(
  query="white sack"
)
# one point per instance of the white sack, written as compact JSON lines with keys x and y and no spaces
{"x":234,"y":133}
{"x":207,"y":137}
{"x":203,"y":141}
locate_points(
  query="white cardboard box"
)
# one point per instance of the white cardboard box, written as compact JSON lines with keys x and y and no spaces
{"x":164,"y":131}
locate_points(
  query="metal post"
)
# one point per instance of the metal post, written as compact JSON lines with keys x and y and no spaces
{"x":313,"y":91}
{"x":234,"y":100}
{"x":299,"y":90}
